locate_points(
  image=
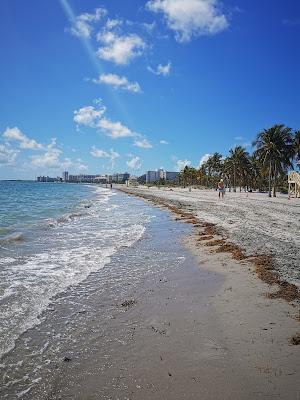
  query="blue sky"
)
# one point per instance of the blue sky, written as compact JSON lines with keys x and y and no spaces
{"x":100,"y":86}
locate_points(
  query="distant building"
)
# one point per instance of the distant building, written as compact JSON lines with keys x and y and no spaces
{"x":161,"y":174}
{"x":132,"y":181}
{"x":120,"y":178}
{"x":65,"y":176}
{"x":142,"y":179}
{"x":171,"y":176}
{"x":102,"y":179}
{"x":82,"y":178}
{"x":151,"y":176}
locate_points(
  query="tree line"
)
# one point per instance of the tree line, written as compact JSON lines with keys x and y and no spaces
{"x":276,"y":150}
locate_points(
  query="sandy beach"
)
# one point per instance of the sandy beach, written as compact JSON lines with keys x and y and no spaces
{"x":253,"y":221}
{"x":168,"y":318}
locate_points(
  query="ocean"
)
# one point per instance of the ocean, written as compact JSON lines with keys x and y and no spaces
{"x":70,"y":256}
{"x":53,"y":236}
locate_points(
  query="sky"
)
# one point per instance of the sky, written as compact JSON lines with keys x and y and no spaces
{"x":102,"y":86}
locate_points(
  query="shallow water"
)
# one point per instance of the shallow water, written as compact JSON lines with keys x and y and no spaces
{"x":54,"y":236}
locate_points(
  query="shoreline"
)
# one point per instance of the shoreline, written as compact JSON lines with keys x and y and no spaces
{"x":200,"y":328}
{"x":259,"y":318}
{"x":217,"y":238}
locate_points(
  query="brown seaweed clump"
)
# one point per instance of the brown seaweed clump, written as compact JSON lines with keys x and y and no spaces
{"x":216,"y":242}
{"x":265,"y":271}
{"x":205,"y":237}
{"x":296,"y":339}
{"x":287,"y":291}
{"x":236,"y":252}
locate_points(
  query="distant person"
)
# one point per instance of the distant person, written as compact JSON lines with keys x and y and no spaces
{"x":221,"y":188}
{"x":111,"y":185}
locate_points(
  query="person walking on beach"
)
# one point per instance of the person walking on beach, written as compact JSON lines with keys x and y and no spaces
{"x":221,"y":188}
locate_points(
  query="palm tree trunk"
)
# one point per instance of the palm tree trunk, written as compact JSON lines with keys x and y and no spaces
{"x":275,"y":182}
{"x":270,"y":177}
{"x":234,"y":188}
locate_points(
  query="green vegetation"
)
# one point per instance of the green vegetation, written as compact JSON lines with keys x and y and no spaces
{"x":275,"y":151}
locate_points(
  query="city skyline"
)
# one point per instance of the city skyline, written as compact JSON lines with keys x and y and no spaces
{"x":103,"y":85}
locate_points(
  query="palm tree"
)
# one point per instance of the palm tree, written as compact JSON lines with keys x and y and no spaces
{"x":297,"y":146}
{"x":237,"y":166}
{"x":188,"y":176}
{"x":274,"y":148}
{"x":214,"y":168}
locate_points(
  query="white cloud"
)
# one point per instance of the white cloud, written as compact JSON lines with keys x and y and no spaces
{"x":99,"y":153}
{"x":180,"y":164}
{"x":238,"y":138}
{"x":8,"y":155}
{"x":118,"y":82}
{"x":163,"y":142}
{"x":143,"y":143}
{"x":94,"y":118}
{"x":114,"y":129}
{"x":14,"y":134}
{"x":77,"y":165}
{"x":134,"y":163}
{"x":119,"y":49}
{"x":50,"y":159}
{"x":83,"y":24}
{"x":88,"y":116}
{"x":163,"y":70}
{"x":113,"y":23}
{"x":190,"y":18}
{"x":204,"y":159}
{"x":149,"y":27}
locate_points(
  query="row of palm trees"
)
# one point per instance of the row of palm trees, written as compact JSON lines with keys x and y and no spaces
{"x":276,"y":150}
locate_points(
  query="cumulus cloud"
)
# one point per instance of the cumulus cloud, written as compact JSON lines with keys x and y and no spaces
{"x":163,"y":142}
{"x":190,"y":18}
{"x":15,"y":134}
{"x":118,"y":82}
{"x":143,"y":143}
{"x":204,"y":159}
{"x":180,"y":164}
{"x":8,"y":155}
{"x":115,"y":130}
{"x":99,"y":153}
{"x":120,"y":49}
{"x":113,"y":23}
{"x":51,"y":159}
{"x":134,"y":163}
{"x":88,"y":116}
{"x":163,"y":70}
{"x":93,"y":117}
{"x":83,"y":24}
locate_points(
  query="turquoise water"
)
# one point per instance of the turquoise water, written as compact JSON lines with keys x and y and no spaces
{"x":25,"y":206}
{"x":53,"y":236}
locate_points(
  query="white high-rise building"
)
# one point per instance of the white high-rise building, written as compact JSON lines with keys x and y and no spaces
{"x":65,"y":176}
